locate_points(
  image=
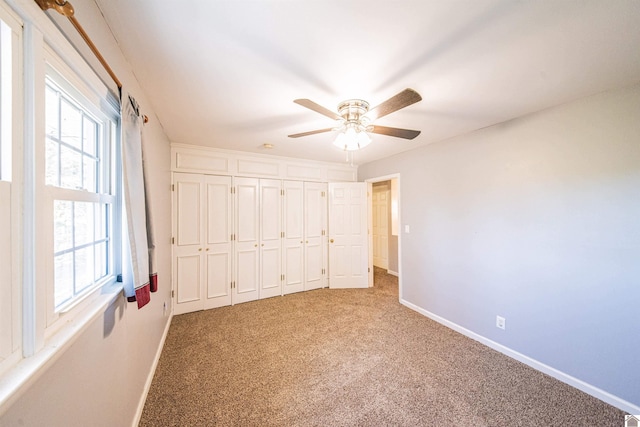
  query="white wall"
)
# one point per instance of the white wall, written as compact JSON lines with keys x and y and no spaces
{"x":536,"y":220}
{"x":100,"y":379}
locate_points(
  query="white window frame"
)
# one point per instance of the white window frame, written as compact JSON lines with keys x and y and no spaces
{"x":85,"y":96}
{"x":11,"y":184}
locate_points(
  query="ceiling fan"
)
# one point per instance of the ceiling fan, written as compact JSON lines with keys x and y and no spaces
{"x":355,"y":119}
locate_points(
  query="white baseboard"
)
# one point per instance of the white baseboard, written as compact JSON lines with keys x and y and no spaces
{"x":393,"y":273}
{"x":596,"y":392}
{"x":152,"y":371}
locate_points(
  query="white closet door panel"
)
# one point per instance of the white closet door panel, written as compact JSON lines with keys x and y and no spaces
{"x":247,"y":265}
{"x":218,"y":210}
{"x":293,"y":215}
{"x":189,"y":278}
{"x":247,"y":275}
{"x":218,"y":280}
{"x":293,"y":271}
{"x":314,"y":218}
{"x":219,"y":247}
{"x":271,"y":283}
{"x":271,"y":238}
{"x":293,"y":243}
{"x":314,"y":265}
{"x":270,"y":210}
{"x":247,"y":210}
{"x":348,"y":247}
{"x":189,"y":225}
{"x":315,"y":235}
{"x":188,"y":268}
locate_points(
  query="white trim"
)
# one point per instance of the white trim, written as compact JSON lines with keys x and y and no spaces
{"x":29,"y":218}
{"x":539,"y":366}
{"x":393,"y":273}
{"x":152,"y":372}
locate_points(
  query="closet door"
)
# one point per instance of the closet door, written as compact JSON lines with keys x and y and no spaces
{"x":270,"y":238}
{"x":247,"y":222}
{"x":188,"y":261}
{"x":218,"y":244}
{"x":314,"y":234}
{"x":293,"y":242}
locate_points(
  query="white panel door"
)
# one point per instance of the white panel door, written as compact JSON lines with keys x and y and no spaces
{"x":270,"y":238}
{"x":247,"y":222}
{"x":348,"y":243}
{"x":293,"y":242}
{"x":315,"y":208}
{"x":188,"y":268}
{"x":381,"y":227}
{"x":218,"y":244}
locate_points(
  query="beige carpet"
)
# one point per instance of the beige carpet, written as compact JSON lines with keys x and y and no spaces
{"x":348,"y":358}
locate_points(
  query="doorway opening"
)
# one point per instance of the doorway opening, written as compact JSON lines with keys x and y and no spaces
{"x":384,"y":227}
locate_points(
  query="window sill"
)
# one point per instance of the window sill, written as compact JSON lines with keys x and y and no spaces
{"x":20,"y":377}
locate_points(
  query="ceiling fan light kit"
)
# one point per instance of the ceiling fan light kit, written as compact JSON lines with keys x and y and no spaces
{"x":354,"y":125}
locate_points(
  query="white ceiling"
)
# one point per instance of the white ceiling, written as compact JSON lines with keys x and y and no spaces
{"x":224,"y":73}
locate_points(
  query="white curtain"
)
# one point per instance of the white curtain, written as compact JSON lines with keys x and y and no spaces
{"x":138,"y":247}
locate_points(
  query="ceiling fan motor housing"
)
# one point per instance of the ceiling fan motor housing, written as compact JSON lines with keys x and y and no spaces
{"x":353,"y":111}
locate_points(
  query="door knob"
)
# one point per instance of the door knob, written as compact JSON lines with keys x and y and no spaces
{"x":199,"y":249}
{"x":207,"y":249}
{"x":255,"y":246}
{"x":331,"y":240}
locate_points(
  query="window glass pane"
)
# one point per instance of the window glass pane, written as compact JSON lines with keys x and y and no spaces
{"x":83,"y":223}
{"x":90,"y":136}
{"x":70,"y":125}
{"x":84,"y":268}
{"x":62,"y":225}
{"x":101,"y":261}
{"x":63,"y":278}
{"x":52,"y":113}
{"x":52,"y":163}
{"x":71,"y":168}
{"x":101,"y":221}
{"x":89,"y":174}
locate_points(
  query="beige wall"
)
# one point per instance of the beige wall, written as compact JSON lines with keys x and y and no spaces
{"x":535,"y":220}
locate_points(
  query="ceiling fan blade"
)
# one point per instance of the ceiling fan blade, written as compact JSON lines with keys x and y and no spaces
{"x":398,"y":133}
{"x":395,"y":103}
{"x":313,"y":132}
{"x":317,"y":108}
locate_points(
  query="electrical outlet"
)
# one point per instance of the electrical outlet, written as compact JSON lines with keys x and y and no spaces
{"x":501,"y":322}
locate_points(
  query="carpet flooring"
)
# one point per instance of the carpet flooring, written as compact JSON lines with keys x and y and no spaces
{"x":348,"y":358}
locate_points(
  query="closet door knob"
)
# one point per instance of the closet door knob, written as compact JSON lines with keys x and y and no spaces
{"x":331,"y":240}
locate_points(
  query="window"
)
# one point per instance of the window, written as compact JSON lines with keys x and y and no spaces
{"x":79,"y":171}
{"x":10,"y":193}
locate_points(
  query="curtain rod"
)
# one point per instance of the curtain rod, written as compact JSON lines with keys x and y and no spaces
{"x":66,"y":9}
